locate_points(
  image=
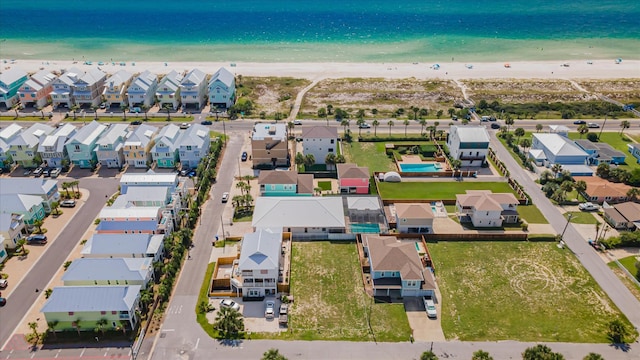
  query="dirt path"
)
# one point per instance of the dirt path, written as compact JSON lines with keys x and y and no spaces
{"x":296,"y":105}
{"x":577,"y":86}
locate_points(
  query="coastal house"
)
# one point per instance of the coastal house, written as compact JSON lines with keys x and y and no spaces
{"x":7,"y":135}
{"x":193,"y":145}
{"x":52,"y":150}
{"x":78,"y":308}
{"x":193,"y":89}
{"x":82,"y":144}
{"x":259,"y":264}
{"x":469,"y":144}
{"x":269,"y":146}
{"x":320,"y":141}
{"x":396,"y":268}
{"x":150,"y":178}
{"x":45,"y":189}
{"x":124,"y":246}
{"x":634,"y":150}
{"x":623,"y":216}
{"x":222,"y":89}
{"x":600,"y":190}
{"x":560,"y":130}
{"x":142,"y":90}
{"x":168,"y":90}
{"x":87,"y":90}
{"x":305,"y":217}
{"x":12,"y":229}
{"x":10,"y":82}
{"x":285,"y":183}
{"x":62,"y":88}
{"x":353,"y":179}
{"x":137,"y":147}
{"x":110,"y":146}
{"x":414,"y":218}
{"x":35,"y":91}
{"x":164,"y":151}
{"x":23,"y":148}
{"x":109,"y":271}
{"x":365,"y":210}
{"x":550,"y":149}
{"x":30,"y":207}
{"x":115,"y":87}
{"x":486,"y":209}
{"x":144,"y":196}
{"x":601,"y":153}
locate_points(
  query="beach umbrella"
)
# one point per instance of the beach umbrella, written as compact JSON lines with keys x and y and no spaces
{"x":436,"y":66}
{"x":619,"y":60}
{"x":507,"y":65}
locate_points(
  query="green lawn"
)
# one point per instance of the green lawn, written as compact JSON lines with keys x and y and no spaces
{"x":531,"y":214}
{"x":630,"y":264}
{"x":632,"y":286}
{"x":616,"y":141}
{"x":522,"y":291}
{"x":330,"y":302}
{"x":581,"y":217}
{"x":369,"y":154}
{"x":324,"y":185}
{"x":436,"y":190}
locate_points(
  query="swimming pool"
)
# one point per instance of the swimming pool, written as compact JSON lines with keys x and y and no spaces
{"x":427,"y":167}
{"x":365,"y":228}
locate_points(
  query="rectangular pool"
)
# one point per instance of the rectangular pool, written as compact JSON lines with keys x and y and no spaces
{"x":365,"y":228}
{"x":428,"y":167}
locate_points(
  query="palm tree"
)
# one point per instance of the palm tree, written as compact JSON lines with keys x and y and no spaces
{"x":583,"y":129}
{"x":273,"y":354}
{"x":538,"y":127}
{"x":51,"y":326}
{"x":100,"y":324}
{"x":34,"y":327}
{"x":451,"y":111}
{"x":146,"y":297}
{"x":299,"y":158}
{"x":508,"y":121}
{"x":75,"y":108}
{"x":38,"y":224}
{"x":167,"y":107}
{"x":20,"y":244}
{"x":525,"y":143}
{"x":556,"y":168}
{"x":309,"y":160}
{"x":423,"y":124}
{"x":54,"y":207}
{"x":330,"y":160}
{"x":428,"y":355}
{"x":145,"y":108}
{"x":94,"y":108}
{"x":481,"y":355}
{"x":360,"y":122}
{"x":633,"y":193}
{"x":439,"y":114}
{"x":519,"y":133}
{"x":329,"y":109}
{"x":77,"y":325}
{"x":229,"y":323}
{"x":322,"y":113}
{"x":390,"y":123}
{"x":415,"y":110}
{"x":406,"y":124}
{"x":624,"y":124}
{"x":566,"y":186}
{"x":375,"y":125}
{"x":455,"y":166}
{"x":580,"y":186}
{"x":345,"y":124}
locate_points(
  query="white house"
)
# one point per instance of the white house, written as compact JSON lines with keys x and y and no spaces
{"x":414,"y":218}
{"x":557,"y":149}
{"x":52,"y":149}
{"x":469,"y":144}
{"x":109,"y":147}
{"x":109,"y":271}
{"x":168,"y":90}
{"x":142,"y":90}
{"x":485,"y":209}
{"x":115,"y":88}
{"x":62,"y":91}
{"x":124,"y":245}
{"x":259,"y":264}
{"x":302,"y":216}
{"x":193,"y":145}
{"x":193,"y":89}
{"x":320,"y":141}
{"x":88,"y":89}
{"x":222,"y":89}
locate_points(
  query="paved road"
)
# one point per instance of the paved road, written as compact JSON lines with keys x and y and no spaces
{"x":20,"y":301}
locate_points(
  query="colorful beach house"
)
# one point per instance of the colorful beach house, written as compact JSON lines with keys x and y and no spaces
{"x":12,"y":229}
{"x":78,"y":308}
{"x":320,"y":141}
{"x":132,"y":220}
{"x":87,"y":90}
{"x":29,"y":206}
{"x":45,"y":189}
{"x":142,"y":90}
{"x":258,"y":268}
{"x":10,"y":82}
{"x":52,"y":150}
{"x":353,"y":179}
{"x":110,"y":146}
{"x":269,"y":146}
{"x":6,"y":136}
{"x":124,"y":246}
{"x":137,"y":147}
{"x":193,"y":89}
{"x":193,"y":145}
{"x":165,"y":150}
{"x":115,"y":88}
{"x":82,"y":144}
{"x":35,"y":91}
{"x":109,"y":271}
{"x":285,"y":183}
{"x":601,"y":153}
{"x":222,"y":89}
{"x":168,"y":90}
{"x":469,"y":144}
{"x":24,"y":147}
{"x":634,"y":149}
{"x":62,"y":91}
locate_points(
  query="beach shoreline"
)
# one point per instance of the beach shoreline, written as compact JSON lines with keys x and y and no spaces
{"x":596,"y":69}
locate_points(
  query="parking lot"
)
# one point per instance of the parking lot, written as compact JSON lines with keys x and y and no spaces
{"x":253,"y":314}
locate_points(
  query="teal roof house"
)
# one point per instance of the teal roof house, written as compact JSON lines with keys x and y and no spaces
{"x":82,"y":144}
{"x":193,"y":145}
{"x":80,"y":307}
{"x":24,"y":147}
{"x":168,"y":90}
{"x":10,"y":82}
{"x":222,"y":89}
{"x":110,"y":146}
{"x":30,"y":206}
{"x":165,"y":150}
{"x":142,"y":90}
{"x":193,"y":89}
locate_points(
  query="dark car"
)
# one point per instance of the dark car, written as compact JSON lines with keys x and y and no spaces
{"x":3,"y":301}
{"x":579,"y":122}
{"x":495,"y":126}
{"x":37,"y":239}
{"x":136,"y":122}
{"x":192,"y":173}
{"x":244,"y":156}
{"x":206,"y":122}
{"x":68,"y":203}
{"x":46,"y":172}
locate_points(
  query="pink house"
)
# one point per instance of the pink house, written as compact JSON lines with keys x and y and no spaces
{"x":36,"y":90}
{"x":353,"y":179}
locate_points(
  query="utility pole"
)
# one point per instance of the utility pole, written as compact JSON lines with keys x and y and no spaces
{"x":603,"y":124}
{"x":567,"y":225}
{"x":224,"y":237}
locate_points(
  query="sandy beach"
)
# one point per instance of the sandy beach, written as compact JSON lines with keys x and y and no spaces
{"x":597,"y":69}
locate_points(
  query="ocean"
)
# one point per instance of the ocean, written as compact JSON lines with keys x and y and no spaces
{"x":319,"y":31}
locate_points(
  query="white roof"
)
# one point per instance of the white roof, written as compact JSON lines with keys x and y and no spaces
{"x":558,"y":128}
{"x":31,"y":186}
{"x":12,"y":75}
{"x":144,"y":80}
{"x":224,"y":76}
{"x":113,"y":132}
{"x":149,"y":177}
{"x":468,"y":133}
{"x":31,"y":136}
{"x":363,"y":203}
{"x":260,"y":250}
{"x":100,"y":269}
{"x":559,"y":145}
{"x":195,"y":76}
{"x":105,"y":244}
{"x":119,"y":78}
{"x":132,"y":212}
{"x":279,"y":212}
{"x":18,"y":202}
{"x":195,"y":135}
{"x":141,"y":136}
{"x":10,"y":131}
{"x":88,"y":133}
{"x":537,"y":154}
{"x":275,"y":131}
{"x":171,"y":81}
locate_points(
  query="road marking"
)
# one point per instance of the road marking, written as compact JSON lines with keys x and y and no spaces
{"x":58,"y":353}
{"x":197,"y":342}
{"x":167,"y":330}
{"x":82,"y":353}
{"x":32,"y":355}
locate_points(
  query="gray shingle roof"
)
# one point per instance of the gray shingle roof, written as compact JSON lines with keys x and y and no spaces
{"x":92,"y":298}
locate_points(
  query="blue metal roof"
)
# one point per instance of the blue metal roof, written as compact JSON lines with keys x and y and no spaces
{"x":116,"y":269}
{"x":150,"y":225}
{"x":92,"y":298}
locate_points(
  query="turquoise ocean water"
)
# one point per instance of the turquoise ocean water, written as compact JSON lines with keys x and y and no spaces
{"x":319,"y":31}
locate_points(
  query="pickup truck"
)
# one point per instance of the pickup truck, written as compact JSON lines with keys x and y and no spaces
{"x":284,"y":314}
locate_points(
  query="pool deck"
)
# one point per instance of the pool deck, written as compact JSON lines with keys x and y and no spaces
{"x":415,"y":159}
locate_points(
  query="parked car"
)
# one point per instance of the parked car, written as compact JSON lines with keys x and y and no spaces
{"x":37,"y":239}
{"x":192,"y":173}
{"x":184,"y":126}
{"x":579,"y":122}
{"x":26,"y":172}
{"x":3,"y":301}
{"x":37,"y":172}
{"x":206,"y":122}
{"x":55,"y":172}
{"x":588,"y":206}
{"x":284,"y":314}
{"x":593,"y":125}
{"x":430,"y":307}
{"x":103,"y":106}
{"x":68,"y":203}
{"x":46,"y":172}
{"x":269,"y":311}
{"x":364,"y":126}
{"x":185,"y":171}
{"x":297,"y":122}
{"x":4,"y":283}
{"x":136,"y":122}
{"x":244,"y":156}
{"x":225,"y":197}
{"x":228,"y":303}
{"x":495,"y":126}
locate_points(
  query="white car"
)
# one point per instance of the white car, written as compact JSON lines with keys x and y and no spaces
{"x":184,"y":126}
{"x":269,"y":312}
{"x":430,"y":306}
{"x":588,"y":206}
{"x":225,"y":197}
{"x":228,"y":303}
{"x":297,"y":122}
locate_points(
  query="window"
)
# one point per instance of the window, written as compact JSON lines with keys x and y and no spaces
{"x":264,"y":272}
{"x":332,"y":141}
{"x":70,"y":313}
{"x":330,"y":150}
{"x":103,"y":313}
{"x":114,"y":312}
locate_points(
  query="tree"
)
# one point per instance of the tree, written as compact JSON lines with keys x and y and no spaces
{"x":583,"y":129}
{"x":593,"y":137}
{"x":390,"y":123}
{"x":20,"y":244}
{"x":229,"y":323}
{"x":100,"y":325}
{"x":593,"y":356}
{"x":617,"y":331}
{"x":38,"y":224}
{"x":75,"y":108}
{"x":580,"y":186}
{"x":406,"y":124}
{"x":624,"y":124}
{"x":51,"y":326}
{"x":451,"y":111}
{"x":538,"y":127}
{"x":633,"y":193}
{"x":423,"y":124}
{"x":439,"y":114}
{"x":146,"y":298}
{"x":54,"y":207}
{"x":556,"y":168}
{"x":145,"y":108}
{"x":481,"y":355}
{"x":541,"y":352}
{"x":329,"y":109}
{"x":344,"y":123}
{"x":375,"y":125}
{"x":525,"y":143}
{"x":566,"y":186}
{"x":167,"y":107}
{"x":330,"y":160}
{"x":428,"y":355}
{"x":299,"y":158}
{"x":291,"y":126}
{"x":546,"y":176}
{"x":519,"y":132}
{"x":360,"y":122}
{"x":273,"y":354}
{"x":76,"y":324}
{"x":322,"y":113}
{"x":508,"y":121}
{"x":455,"y":166}
{"x":309,"y":160}
{"x":559,"y":196}
{"x":603,"y":170}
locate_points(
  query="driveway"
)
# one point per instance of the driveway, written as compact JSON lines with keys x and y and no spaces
{"x":423,"y":328}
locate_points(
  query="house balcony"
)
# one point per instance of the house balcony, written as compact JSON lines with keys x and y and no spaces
{"x":472,"y":157}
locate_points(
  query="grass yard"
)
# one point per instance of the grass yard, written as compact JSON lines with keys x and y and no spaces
{"x":629,"y":263}
{"x":618,"y":142}
{"x":632,"y":286}
{"x":522,"y":291}
{"x":437,"y":190}
{"x":531,"y":214}
{"x":581,"y":217}
{"x":324,"y":185}
{"x":369,"y":154}
{"x":330,"y":302}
